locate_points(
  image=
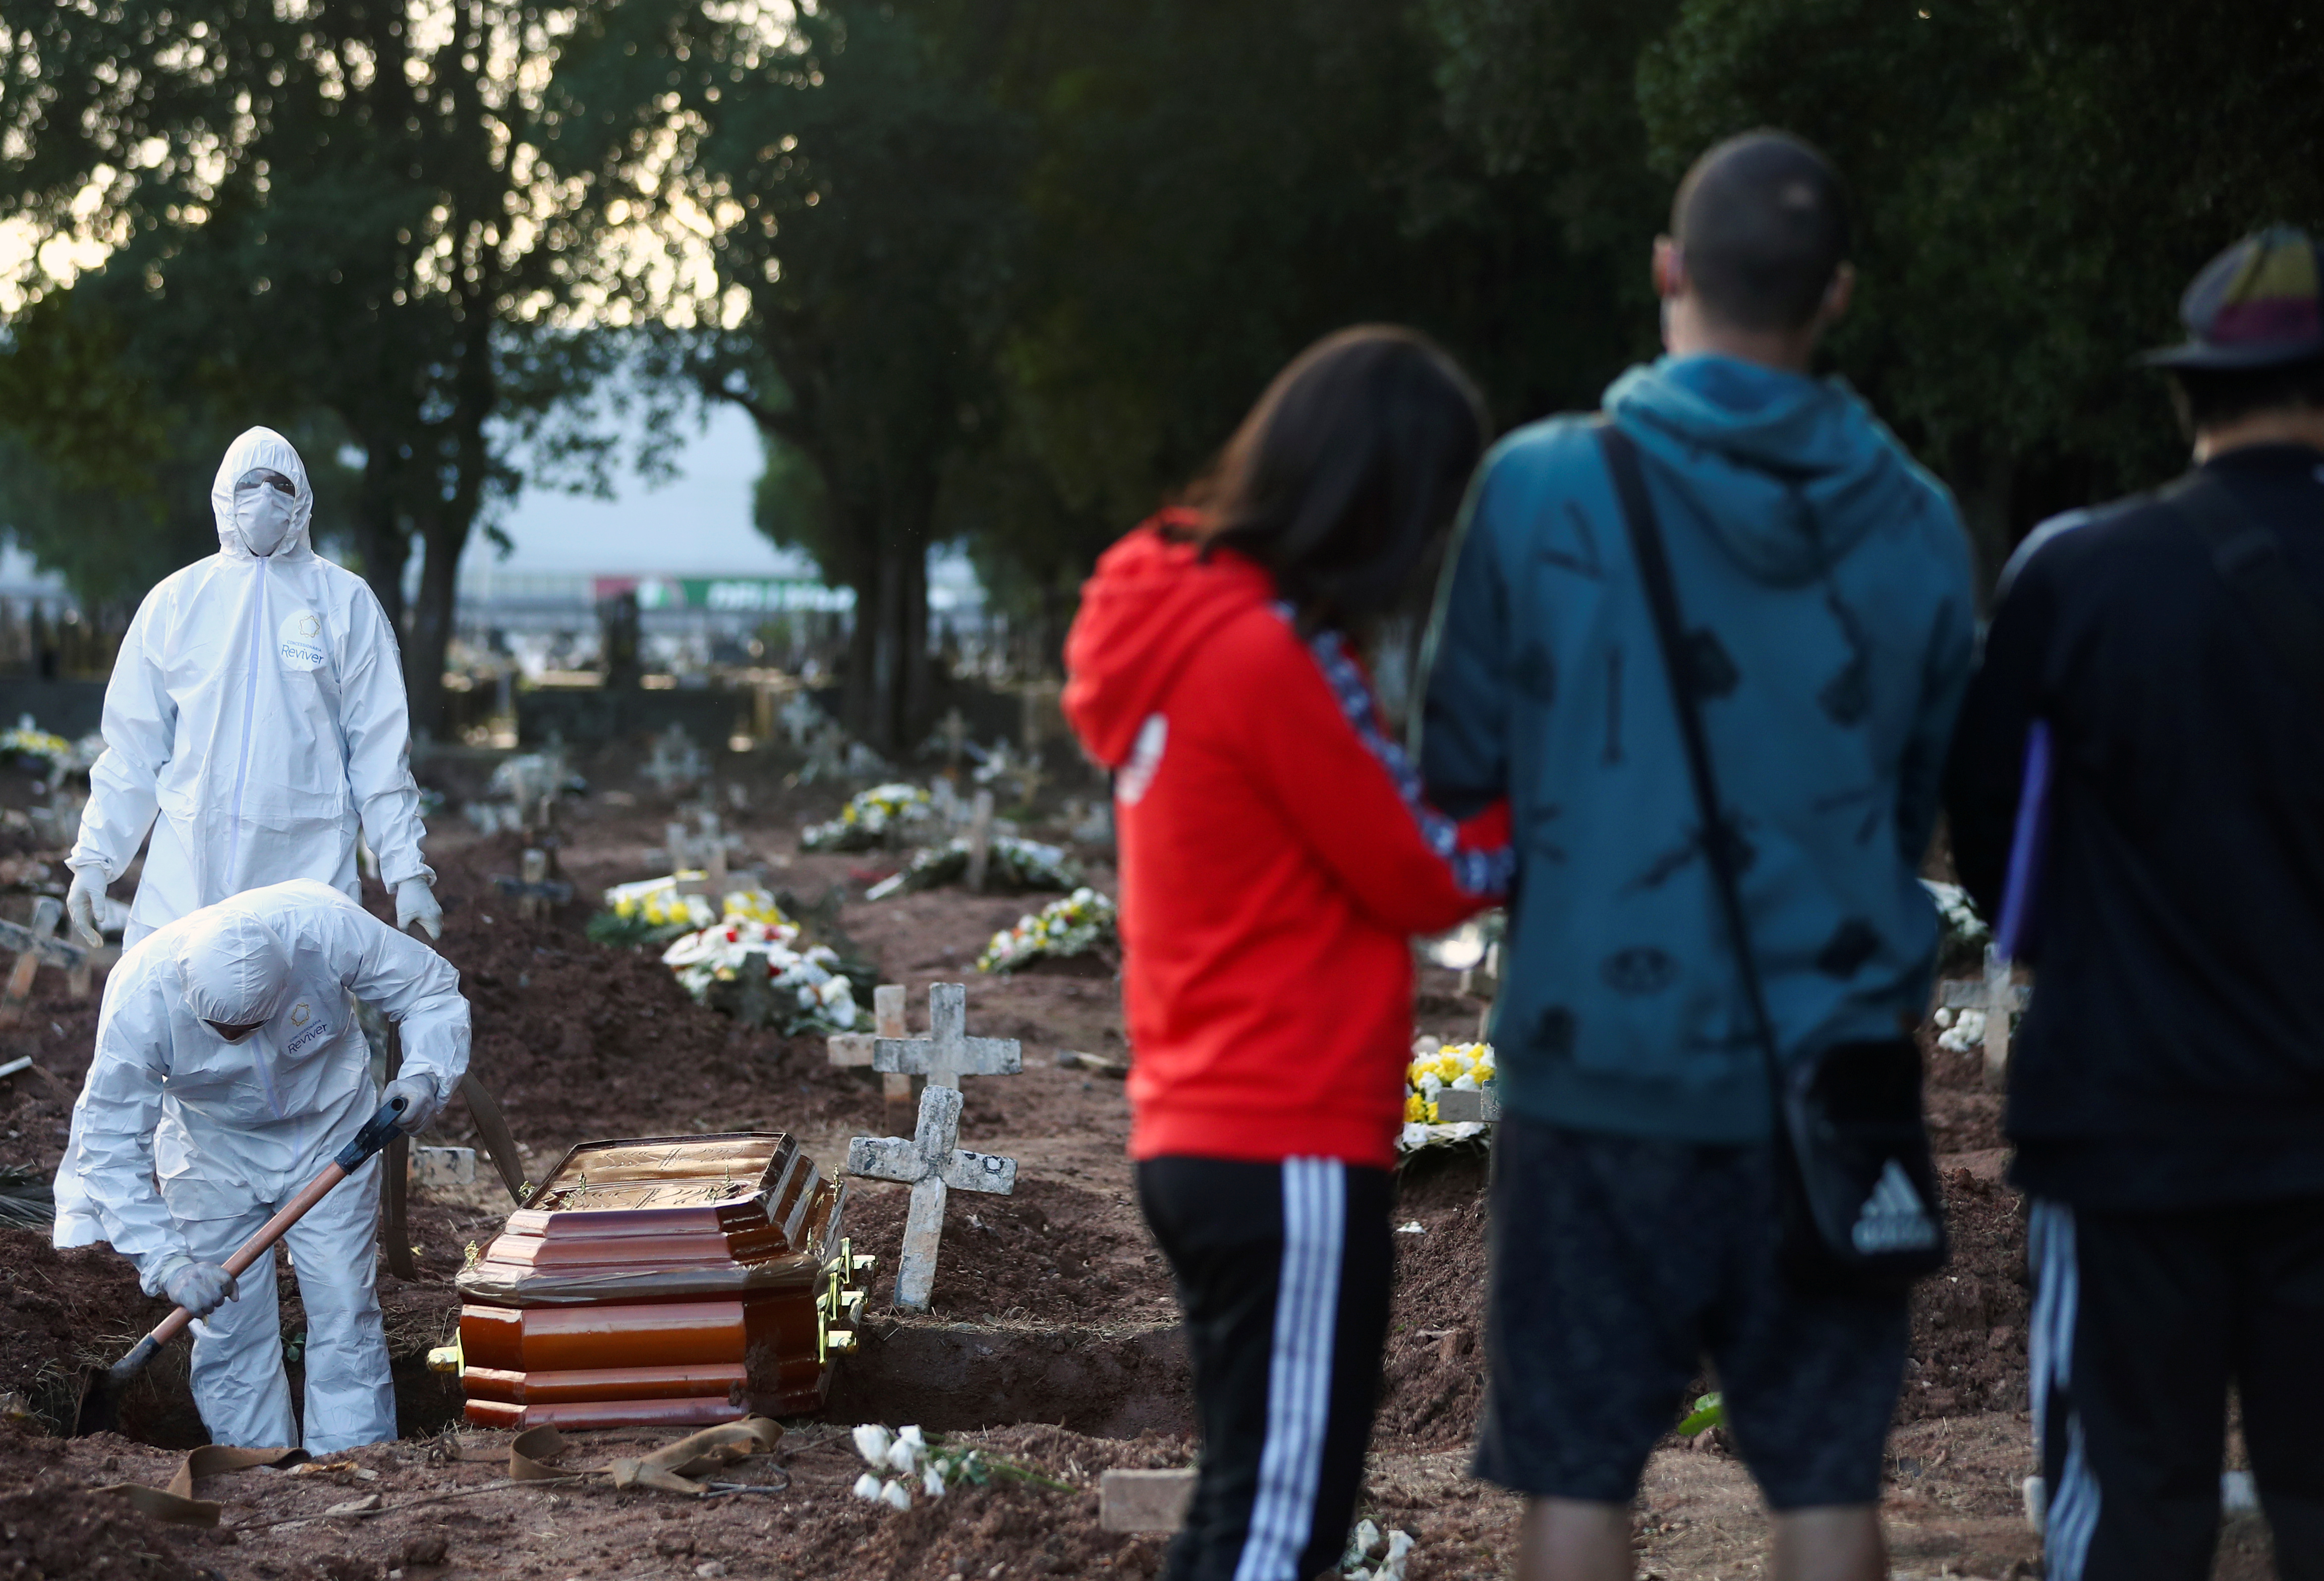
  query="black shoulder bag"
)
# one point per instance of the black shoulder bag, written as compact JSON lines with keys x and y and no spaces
{"x":1855,"y":1182}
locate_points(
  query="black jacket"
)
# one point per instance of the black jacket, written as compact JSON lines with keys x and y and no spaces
{"x":2174,"y":1052}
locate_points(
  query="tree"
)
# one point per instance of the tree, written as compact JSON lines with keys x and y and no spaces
{"x":2036,"y":185}
{"x":854,"y":182}
{"x":1218,"y":184}
{"x":335,"y":211}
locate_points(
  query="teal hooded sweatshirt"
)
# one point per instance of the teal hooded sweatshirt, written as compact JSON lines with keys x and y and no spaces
{"x":1825,"y":582}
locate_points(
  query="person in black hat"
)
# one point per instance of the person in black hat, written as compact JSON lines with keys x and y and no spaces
{"x":2146,"y":735}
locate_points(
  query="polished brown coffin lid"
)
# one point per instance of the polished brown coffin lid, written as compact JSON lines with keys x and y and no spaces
{"x":664,"y":1217}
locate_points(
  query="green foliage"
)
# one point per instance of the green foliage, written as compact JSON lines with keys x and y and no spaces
{"x":1709,"y":1412}
{"x":1007,"y":273}
{"x":2036,"y":185}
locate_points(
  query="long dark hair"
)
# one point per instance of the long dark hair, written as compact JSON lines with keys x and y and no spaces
{"x":1344,"y":479}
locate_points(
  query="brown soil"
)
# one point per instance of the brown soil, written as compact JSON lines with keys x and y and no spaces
{"x":51,"y":1526}
{"x":1050,"y":1306}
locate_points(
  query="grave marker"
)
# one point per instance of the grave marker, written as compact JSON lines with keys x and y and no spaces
{"x":801,"y":717}
{"x":534,"y":890}
{"x":853,"y":1050}
{"x":947,"y":1053}
{"x":930,"y":1160}
{"x":980,"y":840}
{"x":37,"y":946}
{"x":1996,"y":996}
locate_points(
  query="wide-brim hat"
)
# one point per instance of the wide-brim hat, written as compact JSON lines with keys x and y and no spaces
{"x":2259,"y":304}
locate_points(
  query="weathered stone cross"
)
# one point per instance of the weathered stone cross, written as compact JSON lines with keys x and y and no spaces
{"x":930,"y":1160}
{"x":948,"y":1053}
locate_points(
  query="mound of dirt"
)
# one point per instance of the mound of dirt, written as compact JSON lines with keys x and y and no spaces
{"x":1051,"y":1250}
{"x":1968,"y":1321}
{"x":52,"y":1526}
{"x":1434,"y":1367}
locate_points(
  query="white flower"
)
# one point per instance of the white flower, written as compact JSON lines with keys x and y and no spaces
{"x":1967,"y":1033}
{"x":867,"y":1486}
{"x":872,"y":1442}
{"x":932,"y":1481}
{"x":892,"y":1494}
{"x":1399,"y":1544}
{"x":907,"y":1451}
{"x":1361,"y":1543}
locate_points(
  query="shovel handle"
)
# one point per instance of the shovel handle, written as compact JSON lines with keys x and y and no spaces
{"x":374,"y":1135}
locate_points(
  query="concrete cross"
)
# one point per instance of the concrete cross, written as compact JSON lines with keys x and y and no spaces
{"x":801,"y":717}
{"x":1996,"y":996}
{"x":980,"y":841}
{"x":37,"y":946}
{"x":947,"y":1053}
{"x":854,"y":1050}
{"x":935,"y":1166}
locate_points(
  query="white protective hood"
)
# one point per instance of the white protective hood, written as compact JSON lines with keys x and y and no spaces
{"x":254,"y":721}
{"x":262,"y":447}
{"x":230,"y":968}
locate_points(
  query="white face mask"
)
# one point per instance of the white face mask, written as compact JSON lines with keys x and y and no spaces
{"x":263,"y":513}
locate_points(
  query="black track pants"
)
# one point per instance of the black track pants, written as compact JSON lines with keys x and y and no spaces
{"x":2140,"y":1320}
{"x":1283,"y":1273}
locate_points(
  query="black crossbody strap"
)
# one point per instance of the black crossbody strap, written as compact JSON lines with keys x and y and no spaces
{"x":2249,"y":559}
{"x":1718,"y":841}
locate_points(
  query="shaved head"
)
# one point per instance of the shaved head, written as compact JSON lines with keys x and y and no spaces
{"x":1761,"y":223}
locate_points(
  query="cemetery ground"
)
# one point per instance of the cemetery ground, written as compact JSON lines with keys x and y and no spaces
{"x":1051,"y":1338}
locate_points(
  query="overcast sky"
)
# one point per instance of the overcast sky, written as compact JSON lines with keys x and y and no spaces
{"x":699,"y":524}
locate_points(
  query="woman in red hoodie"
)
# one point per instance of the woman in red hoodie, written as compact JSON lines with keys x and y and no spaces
{"x":1275,"y":860}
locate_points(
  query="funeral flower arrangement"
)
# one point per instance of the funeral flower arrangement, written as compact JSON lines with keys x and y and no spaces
{"x":1960,"y":1030}
{"x":904,"y":1461}
{"x":1435,"y":1068}
{"x":1014,"y":862}
{"x":27,"y":740}
{"x":882,"y":816}
{"x":1966,"y":933}
{"x":741,"y":943}
{"x":1080,"y":922}
{"x":651,"y":912}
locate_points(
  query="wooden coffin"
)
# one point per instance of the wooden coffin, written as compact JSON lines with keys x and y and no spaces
{"x":684,"y":1279}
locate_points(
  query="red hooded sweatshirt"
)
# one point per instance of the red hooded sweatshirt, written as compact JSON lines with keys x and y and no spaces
{"x":1275,"y":859}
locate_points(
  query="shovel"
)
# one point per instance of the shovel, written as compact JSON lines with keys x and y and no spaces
{"x":100,"y":1405}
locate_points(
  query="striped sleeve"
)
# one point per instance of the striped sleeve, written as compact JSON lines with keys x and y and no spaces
{"x":1317,"y":742}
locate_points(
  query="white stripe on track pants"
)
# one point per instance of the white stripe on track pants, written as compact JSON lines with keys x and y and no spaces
{"x":1283,"y":1272}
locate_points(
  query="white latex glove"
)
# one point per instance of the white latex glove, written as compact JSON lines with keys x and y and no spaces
{"x":421,"y":1104}
{"x":416,"y":903}
{"x":201,"y":1287}
{"x":80,"y":903}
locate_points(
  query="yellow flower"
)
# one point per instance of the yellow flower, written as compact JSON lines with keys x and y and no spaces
{"x":1415,"y":1108}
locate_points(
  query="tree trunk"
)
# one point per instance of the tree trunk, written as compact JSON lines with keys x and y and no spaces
{"x":889,"y":684}
{"x":431,"y":634}
{"x":381,"y":542}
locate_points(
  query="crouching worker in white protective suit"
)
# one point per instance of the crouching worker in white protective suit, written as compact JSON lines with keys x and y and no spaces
{"x":229,"y":1068}
{"x":257,"y":707}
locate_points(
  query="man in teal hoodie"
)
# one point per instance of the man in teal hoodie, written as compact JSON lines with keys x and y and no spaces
{"x":1825,"y":582}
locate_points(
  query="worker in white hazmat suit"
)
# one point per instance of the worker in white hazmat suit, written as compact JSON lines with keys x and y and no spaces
{"x":257,"y":707}
{"x":229,"y":1069}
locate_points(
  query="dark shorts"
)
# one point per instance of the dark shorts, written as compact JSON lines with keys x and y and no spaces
{"x":1618,"y":1265}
